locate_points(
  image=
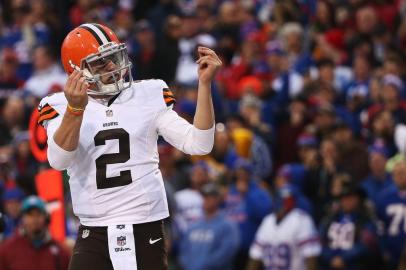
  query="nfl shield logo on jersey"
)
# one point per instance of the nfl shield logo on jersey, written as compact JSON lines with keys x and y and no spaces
{"x":120,"y":227}
{"x":85,"y":233}
{"x":109,"y":113}
{"x":121,"y":240}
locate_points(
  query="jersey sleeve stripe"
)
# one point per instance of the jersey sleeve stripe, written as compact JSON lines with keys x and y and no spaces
{"x":46,"y":110}
{"x":314,"y":239}
{"x":169,"y":100}
{"x":169,"y":97}
{"x":40,"y":108}
{"x":48,"y":116}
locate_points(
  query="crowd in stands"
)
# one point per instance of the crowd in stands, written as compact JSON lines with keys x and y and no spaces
{"x":310,"y":125}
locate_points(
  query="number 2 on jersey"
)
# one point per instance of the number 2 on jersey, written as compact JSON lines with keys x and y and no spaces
{"x":122,"y":156}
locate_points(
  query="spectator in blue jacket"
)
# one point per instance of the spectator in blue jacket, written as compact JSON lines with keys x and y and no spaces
{"x":391,"y":211}
{"x":212,"y":243}
{"x":246,"y":204}
{"x":349,"y":235}
{"x":378,"y":179}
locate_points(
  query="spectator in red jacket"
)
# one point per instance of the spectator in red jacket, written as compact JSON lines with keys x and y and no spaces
{"x":32,"y":247}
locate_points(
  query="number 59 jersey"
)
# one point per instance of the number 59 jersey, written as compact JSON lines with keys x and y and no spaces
{"x":114,"y":175}
{"x":286,"y":244}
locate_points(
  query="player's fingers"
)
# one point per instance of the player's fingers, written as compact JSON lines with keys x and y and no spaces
{"x":84,"y":88}
{"x":79,"y":85}
{"x":75,"y":82}
{"x":202,"y":58}
{"x":211,"y":53}
{"x":70,"y":79}
{"x":210,"y":60}
{"x":206,"y":50}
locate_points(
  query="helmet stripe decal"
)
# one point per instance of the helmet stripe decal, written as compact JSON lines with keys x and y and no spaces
{"x":100,"y":37}
{"x":93,"y":34}
{"x":103,"y":31}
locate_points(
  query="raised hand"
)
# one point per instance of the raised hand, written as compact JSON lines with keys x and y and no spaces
{"x":76,"y":90}
{"x":209,"y":63}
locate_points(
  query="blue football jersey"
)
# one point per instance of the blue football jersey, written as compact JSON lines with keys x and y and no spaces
{"x":391,"y":210}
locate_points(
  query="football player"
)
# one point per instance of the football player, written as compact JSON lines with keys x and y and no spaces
{"x":391,"y":211}
{"x":103,"y":130}
{"x":286,"y":239}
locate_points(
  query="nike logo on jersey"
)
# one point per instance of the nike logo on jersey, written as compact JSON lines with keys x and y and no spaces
{"x":151,"y":242}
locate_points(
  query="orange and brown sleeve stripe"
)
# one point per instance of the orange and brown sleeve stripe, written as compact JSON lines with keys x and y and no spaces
{"x":168,"y":97}
{"x":46,"y":112}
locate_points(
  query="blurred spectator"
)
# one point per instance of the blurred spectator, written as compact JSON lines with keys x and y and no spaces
{"x":32,"y":247}
{"x":292,"y":36}
{"x":168,"y":51}
{"x":391,"y":210}
{"x":26,"y":31}
{"x":378,"y":179}
{"x":12,"y":119}
{"x":324,"y":17}
{"x":48,"y":77}
{"x":286,"y":239}
{"x":227,"y":27}
{"x":173,"y":176}
{"x":319,"y":177}
{"x":382,"y":129}
{"x":250,"y":146}
{"x":349,"y":234}
{"x":286,"y":82}
{"x":189,"y":201}
{"x":391,"y":99}
{"x":211,"y":243}
{"x":292,"y":124}
{"x":324,"y":121}
{"x":9,"y":81}
{"x":223,"y":154}
{"x":288,"y":176}
{"x":250,"y":108}
{"x":144,"y":53}
{"x":360,"y":82}
{"x":12,"y":209}
{"x":353,"y":157}
{"x":246,"y":204}
{"x":186,"y":70}
{"x":25,"y":163}
{"x":79,"y":11}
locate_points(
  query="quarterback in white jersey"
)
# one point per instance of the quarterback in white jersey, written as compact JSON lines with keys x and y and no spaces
{"x":103,"y":130}
{"x":285,"y":240}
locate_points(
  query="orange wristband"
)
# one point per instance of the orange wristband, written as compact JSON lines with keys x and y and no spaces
{"x":75,"y":111}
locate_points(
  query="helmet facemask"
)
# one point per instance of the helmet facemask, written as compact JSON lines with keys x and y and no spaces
{"x":111,"y":82}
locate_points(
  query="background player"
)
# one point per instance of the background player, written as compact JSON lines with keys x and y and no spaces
{"x":286,"y":239}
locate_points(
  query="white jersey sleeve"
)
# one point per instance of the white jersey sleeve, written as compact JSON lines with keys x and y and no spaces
{"x":180,"y":133}
{"x":307,"y":238}
{"x":257,"y":248}
{"x":51,"y":111}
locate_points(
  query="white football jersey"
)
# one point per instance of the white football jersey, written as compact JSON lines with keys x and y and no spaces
{"x":286,"y":245}
{"x":114,"y":176}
